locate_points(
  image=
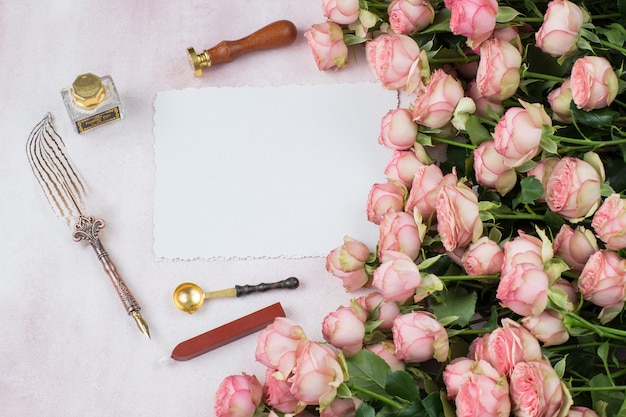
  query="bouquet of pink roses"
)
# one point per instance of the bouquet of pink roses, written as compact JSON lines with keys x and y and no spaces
{"x":498,"y":282}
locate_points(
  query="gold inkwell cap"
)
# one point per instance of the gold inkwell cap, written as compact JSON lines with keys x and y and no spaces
{"x":88,"y":90}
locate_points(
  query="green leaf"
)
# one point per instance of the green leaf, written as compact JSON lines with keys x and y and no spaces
{"x":598,"y":119}
{"x":365,"y":410}
{"x":432,"y":404}
{"x":560,"y":367}
{"x":455,"y":302}
{"x":427,"y":263}
{"x":476,"y":131}
{"x":548,"y":145}
{"x":621,"y":7}
{"x":531,"y":191}
{"x":351,"y":39}
{"x":441,"y":23}
{"x":613,"y":399}
{"x":343,"y":391}
{"x":506,"y":14}
{"x":401,"y":384}
{"x":367,"y":369}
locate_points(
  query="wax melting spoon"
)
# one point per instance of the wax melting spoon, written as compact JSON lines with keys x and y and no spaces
{"x":189,"y":297}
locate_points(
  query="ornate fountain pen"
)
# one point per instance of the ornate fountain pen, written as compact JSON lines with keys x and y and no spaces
{"x":66,"y":195}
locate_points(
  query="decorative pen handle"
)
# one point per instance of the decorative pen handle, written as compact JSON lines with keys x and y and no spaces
{"x":87,"y":228}
{"x":289,"y":283}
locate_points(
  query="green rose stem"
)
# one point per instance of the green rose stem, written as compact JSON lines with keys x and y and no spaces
{"x":587,"y":142}
{"x":467,"y":277}
{"x":602,"y":331}
{"x":590,"y":389}
{"x":454,"y":143}
{"x":518,"y":216}
{"x":539,"y":76}
{"x":612,"y":46}
{"x":383,"y":399}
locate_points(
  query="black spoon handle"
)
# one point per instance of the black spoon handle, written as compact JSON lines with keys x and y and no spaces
{"x":289,"y":283}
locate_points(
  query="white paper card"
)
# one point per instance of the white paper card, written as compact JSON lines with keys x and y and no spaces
{"x":256,"y":172}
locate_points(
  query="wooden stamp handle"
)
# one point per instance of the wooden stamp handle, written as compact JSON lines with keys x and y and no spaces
{"x":275,"y":35}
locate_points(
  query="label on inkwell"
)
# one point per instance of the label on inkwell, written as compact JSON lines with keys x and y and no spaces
{"x":98,"y":119}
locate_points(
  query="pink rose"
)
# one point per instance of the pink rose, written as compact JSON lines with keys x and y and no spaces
{"x":542,"y":172}
{"x":483,"y":393}
{"x":404,"y":164}
{"x":397,"y":278}
{"x":238,"y":396}
{"x":385,"y":310}
{"x":277,"y":390}
{"x":603,"y":279}
{"x":342,"y":12}
{"x":547,"y":327}
{"x":575,"y":246}
{"x":561,"y":26}
{"x":491,"y":170}
{"x":559,"y":100}
{"x":479,"y":348}
{"x":419,"y":337}
{"x":483,"y":104}
{"x":398,"y":232}
{"x":594,"y":83}
{"x":573,"y":189}
{"x":391,"y":57}
{"x":458,"y":222}
{"x":409,"y":16}
{"x":536,"y":389}
{"x":524,"y":289}
{"x":277,"y":345}
{"x":386,"y":350}
{"x":483,"y":257}
{"x":526,"y":248}
{"x":383,"y":198}
{"x":435,"y":106}
{"x":347,"y":262}
{"x":454,"y":374}
{"x":517,"y":135}
{"x":345,"y":328}
{"x":327,"y":44}
{"x":510,"y":344}
{"x":498,"y":74}
{"x":474,"y":19}
{"x":424,"y":193}
{"x":609,"y":222}
{"x":340,"y":407}
{"x":317,"y":375}
{"x":397,"y":130}
{"x":577,"y":411}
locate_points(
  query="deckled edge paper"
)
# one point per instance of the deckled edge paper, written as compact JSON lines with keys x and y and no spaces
{"x":266,"y":172}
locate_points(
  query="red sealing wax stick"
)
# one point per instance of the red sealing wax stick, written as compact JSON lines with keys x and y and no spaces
{"x":227,"y":333}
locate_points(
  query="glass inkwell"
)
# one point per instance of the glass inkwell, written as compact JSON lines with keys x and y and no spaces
{"x":92,"y":101}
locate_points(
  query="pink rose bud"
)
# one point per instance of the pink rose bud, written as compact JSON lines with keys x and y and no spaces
{"x":347,"y":262}
{"x":238,"y":396}
{"x":342,"y":12}
{"x":340,"y":407}
{"x":547,"y":327}
{"x":542,"y":172}
{"x":327,"y":44}
{"x":483,"y":104}
{"x":399,"y":232}
{"x":609,"y":222}
{"x":317,"y":375}
{"x":398,"y":131}
{"x":434,"y":107}
{"x":424,"y":193}
{"x":483,"y":393}
{"x":517,"y":135}
{"x":561,"y":26}
{"x":383,"y":198}
{"x":498,"y":74}
{"x":474,"y":19}
{"x":391,"y":57}
{"x":575,"y":246}
{"x":603,"y":279}
{"x":483,"y":257}
{"x":385,"y":310}
{"x":511,"y":344}
{"x":454,"y":374}
{"x":490,"y":169}
{"x":277,"y":345}
{"x":397,"y":277}
{"x":577,"y":411}
{"x":409,"y":16}
{"x":419,"y":337}
{"x":404,"y":164}
{"x":594,"y":83}
{"x":524,"y":289}
{"x":573,"y":189}
{"x":277,"y":390}
{"x":386,"y":351}
{"x":536,"y":389}
{"x":526,"y":248}
{"x":458,"y":221}
{"x":560,"y":99}
{"x":345,"y":328}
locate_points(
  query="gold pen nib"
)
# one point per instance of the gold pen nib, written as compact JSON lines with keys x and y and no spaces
{"x":141,"y":323}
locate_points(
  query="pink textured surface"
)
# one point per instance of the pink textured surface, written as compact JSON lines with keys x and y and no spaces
{"x":67,"y":347}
